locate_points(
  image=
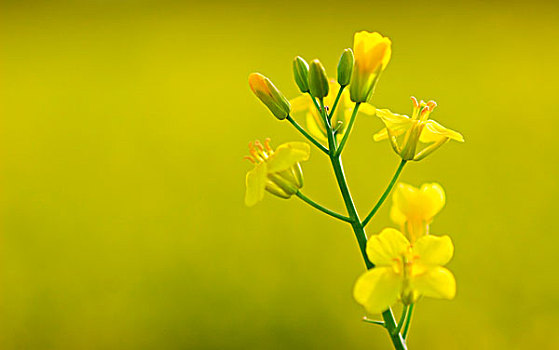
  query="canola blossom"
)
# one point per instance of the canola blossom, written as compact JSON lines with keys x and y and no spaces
{"x":404,"y":271}
{"x":413,"y":209}
{"x":278,"y":172}
{"x":415,"y":131}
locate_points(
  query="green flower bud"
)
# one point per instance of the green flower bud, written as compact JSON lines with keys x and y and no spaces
{"x":318,"y":80}
{"x":345,"y":67}
{"x":269,"y":95}
{"x":301,"y":73}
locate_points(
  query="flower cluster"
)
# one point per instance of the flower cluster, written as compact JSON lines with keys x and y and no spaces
{"x":408,"y":263}
{"x":404,"y":264}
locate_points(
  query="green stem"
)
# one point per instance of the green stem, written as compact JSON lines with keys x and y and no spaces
{"x":385,"y":194}
{"x":402,"y":319}
{"x":409,"y":317}
{"x":321,"y":208}
{"x":368,"y":320}
{"x":307,"y":135}
{"x":337,"y":100}
{"x":358,"y":229}
{"x":348,"y":129}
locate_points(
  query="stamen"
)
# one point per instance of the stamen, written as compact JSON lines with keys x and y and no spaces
{"x":267,"y":144}
{"x":414,"y":101}
{"x":258,"y":145}
{"x":250,"y":158}
{"x":431,"y":105}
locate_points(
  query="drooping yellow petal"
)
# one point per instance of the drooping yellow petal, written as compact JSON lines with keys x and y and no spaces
{"x":417,"y":205}
{"x":436,"y":282}
{"x":377,"y":289}
{"x":287,"y":154}
{"x":383,"y":248}
{"x":398,"y":124}
{"x":255,"y":184}
{"x":433,"y":132}
{"x":434,"y":250}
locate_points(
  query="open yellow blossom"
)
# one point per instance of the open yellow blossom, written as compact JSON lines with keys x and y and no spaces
{"x":304,"y":107}
{"x":404,"y":271}
{"x":414,"y":208}
{"x":414,"y":131}
{"x":277,"y":172}
{"x":372,"y":53}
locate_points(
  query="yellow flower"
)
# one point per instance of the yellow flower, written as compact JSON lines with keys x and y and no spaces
{"x":303,"y":105}
{"x":372,"y":53}
{"x":415,"y":130}
{"x":404,"y":271}
{"x":277,"y":172}
{"x":414,"y":208}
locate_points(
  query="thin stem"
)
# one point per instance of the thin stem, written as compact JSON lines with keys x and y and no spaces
{"x":321,"y":208}
{"x":409,"y":317}
{"x":330,"y":134}
{"x":385,"y":194}
{"x":336,"y":101}
{"x":307,"y":135}
{"x":358,"y":229}
{"x":315,"y":104}
{"x":368,"y":320}
{"x":402,"y":319}
{"x":348,"y":129}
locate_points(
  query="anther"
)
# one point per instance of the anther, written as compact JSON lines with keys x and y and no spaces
{"x":267,"y":144}
{"x":414,"y":101}
{"x":431,"y":105}
{"x":250,"y":158}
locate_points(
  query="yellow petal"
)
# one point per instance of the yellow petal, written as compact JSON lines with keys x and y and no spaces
{"x":396,"y":215}
{"x":315,"y":127}
{"x":383,"y":248}
{"x":377,"y":289}
{"x":256,"y":184}
{"x":301,"y":103}
{"x":436,"y":282}
{"x":287,"y":154}
{"x":432,"y":198}
{"x":367,"y":109}
{"x":405,"y":199}
{"x":398,"y":124}
{"x":433,"y":132}
{"x":434,"y":250}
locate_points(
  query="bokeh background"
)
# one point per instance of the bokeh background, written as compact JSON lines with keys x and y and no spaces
{"x":123,"y":127}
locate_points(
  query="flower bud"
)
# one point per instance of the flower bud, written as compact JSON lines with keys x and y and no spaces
{"x":301,"y":73}
{"x":372,"y":54}
{"x":345,"y":67}
{"x":269,"y":95}
{"x":318,"y":80}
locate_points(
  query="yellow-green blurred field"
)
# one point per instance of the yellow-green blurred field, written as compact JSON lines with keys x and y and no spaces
{"x":123,"y":128}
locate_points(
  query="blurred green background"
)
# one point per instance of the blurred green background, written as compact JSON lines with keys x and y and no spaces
{"x":124,"y":124}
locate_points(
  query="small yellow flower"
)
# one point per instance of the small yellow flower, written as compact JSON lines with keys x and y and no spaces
{"x":372,"y":53}
{"x":414,"y":208}
{"x":303,"y":105}
{"x":277,"y":172}
{"x":404,"y":271}
{"x":415,"y":130}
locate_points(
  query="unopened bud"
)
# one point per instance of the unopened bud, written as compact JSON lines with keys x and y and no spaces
{"x":301,"y":73}
{"x":318,"y":80}
{"x":345,"y":67}
{"x":269,"y":95}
